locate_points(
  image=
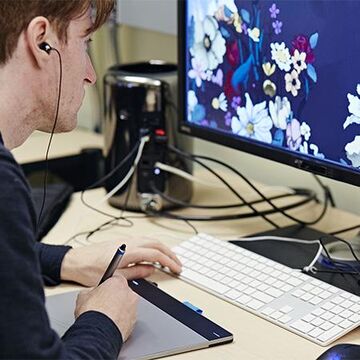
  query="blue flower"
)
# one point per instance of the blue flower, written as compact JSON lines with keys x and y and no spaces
{"x":274,"y":11}
{"x":277,"y":25}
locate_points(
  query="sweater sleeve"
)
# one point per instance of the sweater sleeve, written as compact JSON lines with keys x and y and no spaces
{"x":50,"y":257}
{"x":25,"y":330}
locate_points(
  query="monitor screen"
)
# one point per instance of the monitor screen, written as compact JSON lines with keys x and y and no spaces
{"x":279,"y":79}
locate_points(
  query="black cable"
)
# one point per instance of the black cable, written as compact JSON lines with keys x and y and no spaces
{"x":350,"y":247}
{"x":192,"y":226}
{"x":326,"y":190}
{"x":345,"y":230}
{"x":297,"y":192}
{"x":191,"y":157}
{"x":334,"y":262}
{"x":169,"y":215}
{"x":111,"y":223}
{"x":50,"y":140}
{"x":115,"y":219}
{"x":302,"y":222}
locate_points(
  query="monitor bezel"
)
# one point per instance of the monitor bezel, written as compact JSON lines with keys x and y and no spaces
{"x":293,"y":159}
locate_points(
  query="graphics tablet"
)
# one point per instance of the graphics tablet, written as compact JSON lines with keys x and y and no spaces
{"x":164,"y":327}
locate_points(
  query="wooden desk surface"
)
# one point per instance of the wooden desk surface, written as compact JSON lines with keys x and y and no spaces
{"x":254,"y":338}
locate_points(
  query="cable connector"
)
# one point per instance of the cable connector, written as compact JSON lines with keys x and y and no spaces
{"x":150,"y":202}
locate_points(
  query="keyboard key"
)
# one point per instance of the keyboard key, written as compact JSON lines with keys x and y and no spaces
{"x":276,"y":315}
{"x":317,"y":322}
{"x":308,"y":318}
{"x":318,"y":312}
{"x":243,"y":299}
{"x":285,"y":319}
{"x":268,"y":311}
{"x":302,"y":326}
{"x":204,"y":281}
{"x":354,"y":318}
{"x":327,"y":325}
{"x":262,"y":297}
{"x":336,"y":330}
{"x":233,"y":294}
{"x":346,"y":324}
{"x":255,"y":304}
{"x":286,"y":309}
{"x":274,"y":292}
{"x":315,"y":332}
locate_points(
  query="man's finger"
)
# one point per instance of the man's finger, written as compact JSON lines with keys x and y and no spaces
{"x":137,"y":271}
{"x":151,"y":255}
{"x":163,"y":248}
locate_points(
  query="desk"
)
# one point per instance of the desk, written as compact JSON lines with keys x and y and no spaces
{"x":254,"y":338}
{"x":62,"y":145}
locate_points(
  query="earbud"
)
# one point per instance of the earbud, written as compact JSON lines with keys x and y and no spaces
{"x":45,"y":47}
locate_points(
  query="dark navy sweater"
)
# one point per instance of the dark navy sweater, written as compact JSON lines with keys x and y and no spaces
{"x":24,"y":267}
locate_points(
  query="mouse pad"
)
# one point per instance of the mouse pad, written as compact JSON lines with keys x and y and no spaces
{"x":164,"y":327}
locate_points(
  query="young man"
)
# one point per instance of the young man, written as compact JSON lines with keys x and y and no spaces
{"x":29,"y":75}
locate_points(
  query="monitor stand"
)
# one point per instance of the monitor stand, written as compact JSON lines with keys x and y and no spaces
{"x":297,"y":255}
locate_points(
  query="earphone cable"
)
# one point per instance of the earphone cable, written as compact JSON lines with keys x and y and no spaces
{"x":50,"y":140}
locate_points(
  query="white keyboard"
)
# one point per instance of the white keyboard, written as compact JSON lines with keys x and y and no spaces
{"x":295,"y":301}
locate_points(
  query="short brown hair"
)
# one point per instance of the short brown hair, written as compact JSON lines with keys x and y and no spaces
{"x":15,"y":16}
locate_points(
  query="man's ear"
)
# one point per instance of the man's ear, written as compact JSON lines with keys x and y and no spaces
{"x":38,"y":32}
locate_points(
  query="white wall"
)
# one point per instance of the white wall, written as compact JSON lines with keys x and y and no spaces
{"x":157,"y":15}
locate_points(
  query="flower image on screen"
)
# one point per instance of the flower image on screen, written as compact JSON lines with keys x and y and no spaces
{"x":282,"y":74}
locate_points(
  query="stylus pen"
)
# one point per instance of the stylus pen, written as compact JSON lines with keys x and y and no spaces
{"x":114,"y":263}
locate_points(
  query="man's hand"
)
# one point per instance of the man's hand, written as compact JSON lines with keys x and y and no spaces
{"x":86,"y":265}
{"x":113,"y":298}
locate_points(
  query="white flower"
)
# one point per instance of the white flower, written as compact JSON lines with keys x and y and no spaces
{"x":353,"y":152}
{"x":192,"y":101}
{"x":304,"y":148}
{"x":352,"y":119}
{"x":197,"y":72}
{"x":281,"y":55}
{"x":293,"y":83}
{"x":354,"y":109}
{"x":298,"y":60}
{"x":280,"y":110}
{"x":253,"y":121}
{"x":354,"y":105}
{"x":220,"y":102}
{"x":254,"y":34}
{"x":305,"y":130}
{"x":209,"y":45}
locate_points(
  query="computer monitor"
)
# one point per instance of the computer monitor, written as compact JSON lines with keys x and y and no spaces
{"x":278,"y":79}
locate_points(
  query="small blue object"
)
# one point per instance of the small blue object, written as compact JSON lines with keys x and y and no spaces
{"x":193,"y":307}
